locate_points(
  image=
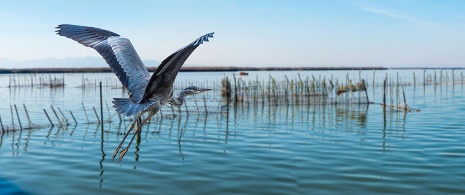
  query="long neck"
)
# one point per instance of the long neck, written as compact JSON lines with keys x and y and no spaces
{"x":178,"y":101}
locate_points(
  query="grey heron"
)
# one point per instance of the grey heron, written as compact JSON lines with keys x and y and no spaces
{"x":147,"y":93}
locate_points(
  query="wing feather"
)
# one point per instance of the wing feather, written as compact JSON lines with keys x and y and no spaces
{"x":163,"y":78}
{"x":118,"y":52}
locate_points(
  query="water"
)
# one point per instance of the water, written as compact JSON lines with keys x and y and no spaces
{"x":250,"y":149}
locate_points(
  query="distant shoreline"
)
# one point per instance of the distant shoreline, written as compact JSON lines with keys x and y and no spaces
{"x":205,"y":69}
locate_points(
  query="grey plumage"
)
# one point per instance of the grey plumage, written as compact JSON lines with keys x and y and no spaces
{"x":191,"y":90}
{"x":147,"y":93}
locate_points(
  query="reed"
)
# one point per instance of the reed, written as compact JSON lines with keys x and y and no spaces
{"x":300,"y":90}
{"x":35,"y":80}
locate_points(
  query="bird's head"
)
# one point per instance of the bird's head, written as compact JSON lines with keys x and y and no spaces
{"x":192,"y":90}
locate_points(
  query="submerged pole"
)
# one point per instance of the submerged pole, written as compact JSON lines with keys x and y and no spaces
{"x":56,"y":115}
{"x":48,"y":118}
{"x":1,"y":123}
{"x":108,"y":110}
{"x":12,"y":118}
{"x":63,"y":116}
{"x":101,"y":105}
{"x":384,"y":92}
{"x":96,"y":115}
{"x":405,"y":100}
{"x":205,"y":103}
{"x":72,"y":115}
{"x":19,"y":120}
{"x":84,"y":108}
{"x":365,"y":89}
{"x":27,"y":115}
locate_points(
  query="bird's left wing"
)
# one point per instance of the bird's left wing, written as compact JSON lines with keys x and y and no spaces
{"x":167,"y":71}
{"x":118,"y":52}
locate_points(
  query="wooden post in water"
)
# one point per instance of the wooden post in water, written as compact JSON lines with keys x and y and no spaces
{"x":405,"y":100}
{"x":205,"y":103}
{"x":27,"y":115}
{"x":424,"y":78}
{"x":12,"y":118}
{"x":397,"y":89}
{"x":414,"y":80}
{"x":72,"y":115}
{"x":391,"y":92}
{"x":56,"y":115}
{"x":1,"y":123}
{"x":96,"y":115}
{"x":66,"y":120}
{"x":48,"y":118}
{"x":101,"y":105}
{"x":108,"y":110}
{"x":359,"y":80}
{"x":384,"y":92}
{"x":84,"y":108}
{"x":440,"y":77}
{"x":19,"y":120}
{"x":374,"y":70}
{"x":435,"y":81}
{"x":235,"y":89}
{"x":365,"y":89}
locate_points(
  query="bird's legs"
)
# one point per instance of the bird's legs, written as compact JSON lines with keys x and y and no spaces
{"x":126,"y":135}
{"x":138,"y":125}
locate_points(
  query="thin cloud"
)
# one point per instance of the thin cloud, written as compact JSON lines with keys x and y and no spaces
{"x":392,"y":14}
{"x":387,"y":13}
{"x":460,"y":16}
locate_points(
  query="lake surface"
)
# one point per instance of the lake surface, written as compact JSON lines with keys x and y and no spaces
{"x":253,"y":147}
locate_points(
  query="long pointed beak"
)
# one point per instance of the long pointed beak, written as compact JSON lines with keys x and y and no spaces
{"x":203,"y":90}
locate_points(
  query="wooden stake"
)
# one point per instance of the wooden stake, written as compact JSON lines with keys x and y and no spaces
{"x":49,"y":118}
{"x":27,"y":115}
{"x":101,"y":105}
{"x":12,"y":118}
{"x":205,"y":103}
{"x":63,"y":116}
{"x":1,"y":123}
{"x":366,"y":93}
{"x":56,"y":115}
{"x":405,"y":100}
{"x":19,"y":120}
{"x":84,"y":108}
{"x":72,"y":115}
{"x":96,"y":115}
{"x":108,"y":110}
{"x":384,"y":92}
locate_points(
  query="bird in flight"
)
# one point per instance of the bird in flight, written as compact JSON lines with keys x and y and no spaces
{"x":147,"y":93}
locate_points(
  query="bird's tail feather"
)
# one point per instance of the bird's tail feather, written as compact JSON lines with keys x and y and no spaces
{"x":126,"y":107}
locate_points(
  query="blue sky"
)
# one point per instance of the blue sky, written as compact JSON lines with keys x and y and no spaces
{"x":398,"y":33}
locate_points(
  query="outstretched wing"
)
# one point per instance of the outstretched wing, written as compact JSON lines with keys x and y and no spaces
{"x":163,"y":78}
{"x":118,"y":52}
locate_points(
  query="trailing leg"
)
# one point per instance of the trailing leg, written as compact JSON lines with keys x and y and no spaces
{"x":136,"y":131}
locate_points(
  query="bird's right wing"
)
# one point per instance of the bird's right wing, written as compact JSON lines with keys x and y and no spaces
{"x":163,"y":78}
{"x":118,"y":52}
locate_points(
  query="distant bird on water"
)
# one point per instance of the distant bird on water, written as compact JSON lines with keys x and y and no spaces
{"x":147,"y":93}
